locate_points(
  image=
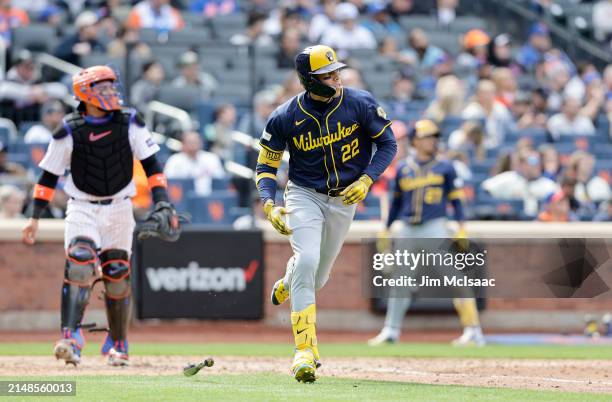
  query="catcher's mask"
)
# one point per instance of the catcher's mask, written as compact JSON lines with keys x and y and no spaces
{"x":316,"y":60}
{"x":97,"y":86}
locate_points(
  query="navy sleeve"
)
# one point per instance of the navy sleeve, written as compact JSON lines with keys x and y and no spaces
{"x":273,"y":142}
{"x":378,"y":128}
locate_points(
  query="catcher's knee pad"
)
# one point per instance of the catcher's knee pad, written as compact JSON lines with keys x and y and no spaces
{"x":79,"y":270}
{"x":116,"y":274}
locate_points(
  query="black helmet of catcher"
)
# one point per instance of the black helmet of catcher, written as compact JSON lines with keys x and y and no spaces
{"x":315,"y":60}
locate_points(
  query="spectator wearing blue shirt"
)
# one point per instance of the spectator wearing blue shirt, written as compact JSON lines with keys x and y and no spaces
{"x":537,"y":44}
{"x":380,"y":22}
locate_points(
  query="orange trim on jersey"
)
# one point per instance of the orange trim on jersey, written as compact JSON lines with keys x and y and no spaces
{"x":158,"y":180}
{"x":43,"y":193}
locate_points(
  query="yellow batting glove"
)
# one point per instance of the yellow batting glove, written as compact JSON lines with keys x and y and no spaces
{"x":276,"y":217}
{"x":357,"y":191}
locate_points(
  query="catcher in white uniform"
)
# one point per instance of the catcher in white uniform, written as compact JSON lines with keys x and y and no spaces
{"x":98,"y":144}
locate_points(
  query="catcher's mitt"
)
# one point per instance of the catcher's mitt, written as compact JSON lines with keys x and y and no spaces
{"x":163,"y":222}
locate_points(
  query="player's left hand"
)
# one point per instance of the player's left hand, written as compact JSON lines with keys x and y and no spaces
{"x":357,"y":191}
{"x":276,"y":216}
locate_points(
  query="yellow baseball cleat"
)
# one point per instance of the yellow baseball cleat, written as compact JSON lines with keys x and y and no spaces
{"x":279,"y":293}
{"x":304,"y":366}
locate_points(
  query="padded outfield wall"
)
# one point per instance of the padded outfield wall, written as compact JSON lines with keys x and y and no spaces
{"x":31,"y":279}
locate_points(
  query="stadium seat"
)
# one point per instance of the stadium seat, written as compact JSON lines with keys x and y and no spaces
{"x":221,"y":184}
{"x":447,"y":41}
{"x":213,"y":209}
{"x":35,"y":38}
{"x":5,"y":135}
{"x":224,"y":26}
{"x":185,"y":98}
{"x":189,"y":36}
{"x":178,"y":190}
{"x":426,"y":23}
{"x":464,"y":24}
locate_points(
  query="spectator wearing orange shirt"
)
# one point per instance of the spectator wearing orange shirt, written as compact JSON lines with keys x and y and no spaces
{"x":157,"y":14}
{"x":557,"y":209}
{"x":10,"y":18}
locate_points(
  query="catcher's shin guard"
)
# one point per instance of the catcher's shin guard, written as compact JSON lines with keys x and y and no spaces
{"x":306,"y":358}
{"x":116,"y":274}
{"x":79,"y":271}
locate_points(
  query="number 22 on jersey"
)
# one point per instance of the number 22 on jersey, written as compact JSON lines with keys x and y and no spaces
{"x":349,"y":151}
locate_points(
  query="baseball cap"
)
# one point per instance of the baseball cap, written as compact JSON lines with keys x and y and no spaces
{"x":85,"y":19}
{"x":375,"y":8}
{"x":502,"y":40}
{"x":188,"y":58}
{"x":23,"y":56}
{"x":475,"y":37}
{"x":538,"y":29}
{"x":346,"y":11}
{"x":424,"y":128}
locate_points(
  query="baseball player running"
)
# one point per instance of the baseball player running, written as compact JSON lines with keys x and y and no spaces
{"x":97,"y":145}
{"x":329,"y":131}
{"x":423,"y":186}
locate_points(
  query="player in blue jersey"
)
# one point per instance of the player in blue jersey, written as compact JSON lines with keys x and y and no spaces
{"x":329,"y":132}
{"x":423,"y":187}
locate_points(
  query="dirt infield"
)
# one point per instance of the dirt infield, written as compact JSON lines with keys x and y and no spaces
{"x":559,"y":375}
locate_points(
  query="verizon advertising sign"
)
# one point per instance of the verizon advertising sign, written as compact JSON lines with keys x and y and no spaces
{"x":206,"y":274}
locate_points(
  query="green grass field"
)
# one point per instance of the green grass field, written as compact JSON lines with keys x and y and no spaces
{"x":335,"y":350}
{"x":278,"y":387}
{"x":275,"y":387}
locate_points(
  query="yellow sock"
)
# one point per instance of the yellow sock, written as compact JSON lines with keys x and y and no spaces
{"x":303,"y":324}
{"x":467,"y":311}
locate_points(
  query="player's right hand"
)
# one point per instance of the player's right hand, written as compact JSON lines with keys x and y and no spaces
{"x":276,"y":216}
{"x":28,"y":234}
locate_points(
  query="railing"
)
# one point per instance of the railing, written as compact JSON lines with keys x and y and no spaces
{"x":169,"y":111}
{"x":60,"y":65}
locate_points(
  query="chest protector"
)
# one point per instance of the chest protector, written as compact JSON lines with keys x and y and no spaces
{"x":102,"y":162}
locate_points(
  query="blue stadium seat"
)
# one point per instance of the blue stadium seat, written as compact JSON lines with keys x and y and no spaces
{"x":214,"y":209}
{"x":450,"y":124}
{"x":4,"y":135}
{"x":185,"y":98}
{"x":29,"y":155}
{"x":482,"y":167}
{"x":178,"y":190}
{"x":224,"y":26}
{"x":221,"y":184}
{"x":34,"y":37}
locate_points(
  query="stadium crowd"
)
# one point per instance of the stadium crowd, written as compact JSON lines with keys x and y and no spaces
{"x":527,"y":127}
